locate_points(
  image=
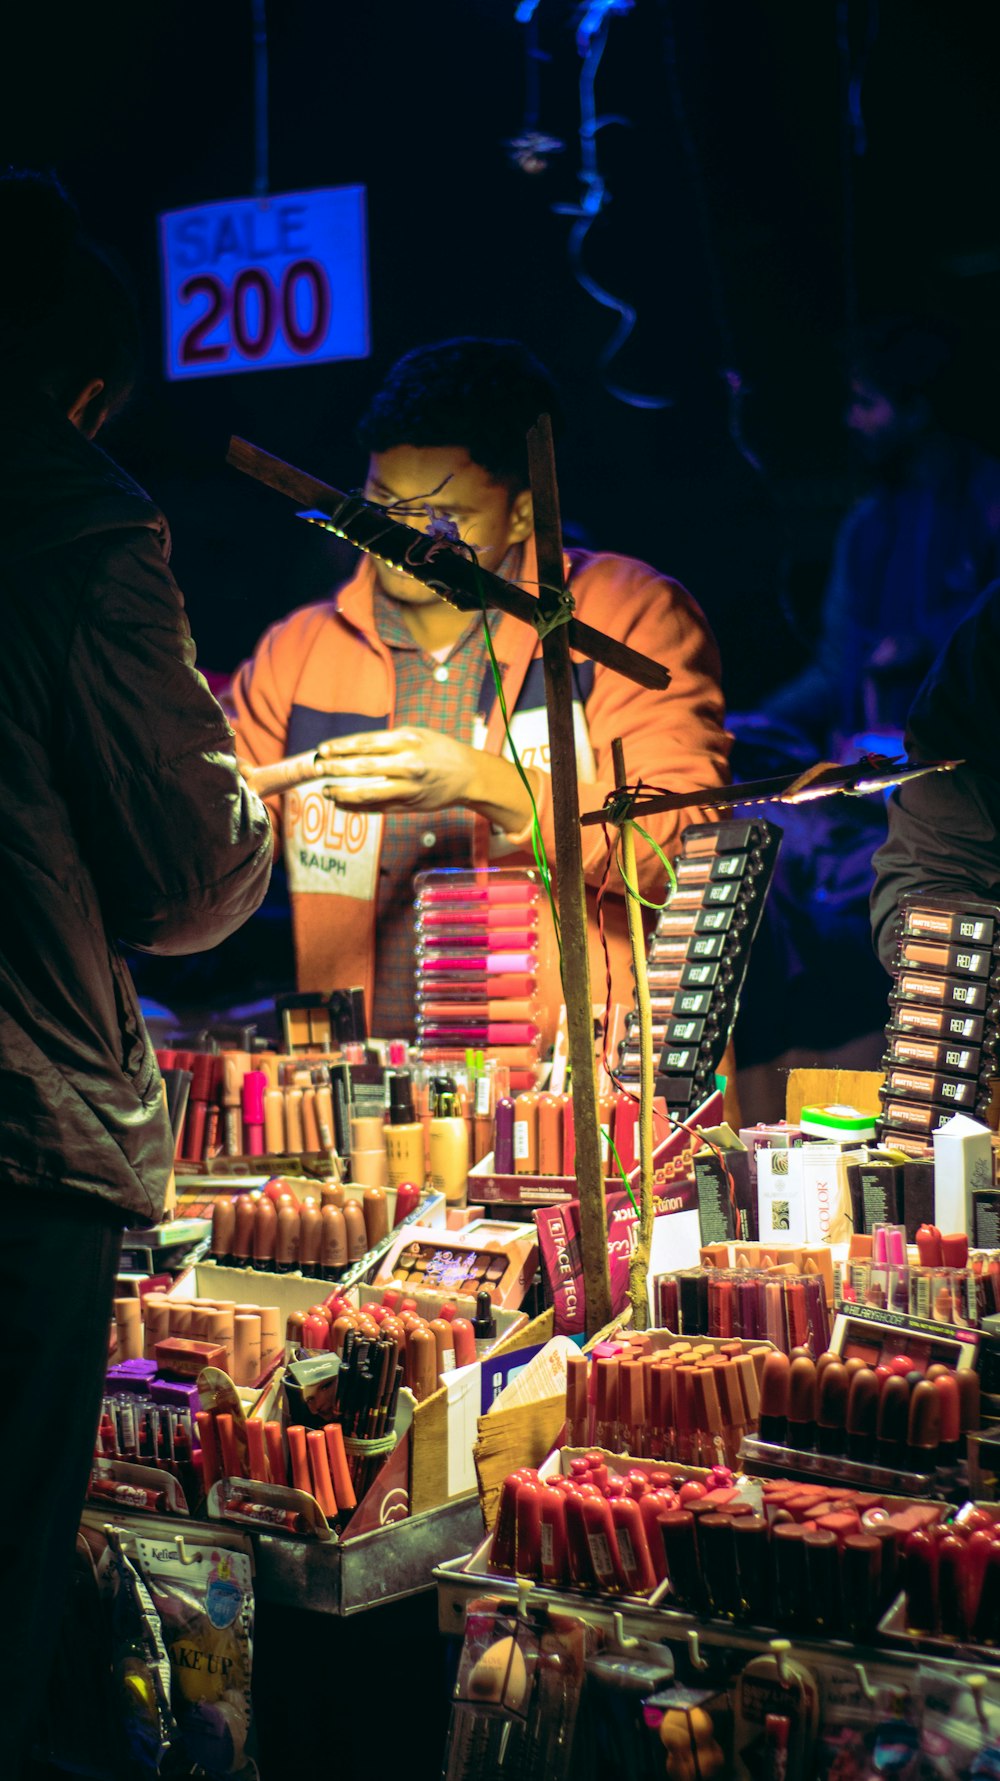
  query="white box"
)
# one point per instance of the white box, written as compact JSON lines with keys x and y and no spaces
{"x":963,"y":1161}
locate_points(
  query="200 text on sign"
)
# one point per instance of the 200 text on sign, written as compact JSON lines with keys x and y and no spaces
{"x":257,"y":283}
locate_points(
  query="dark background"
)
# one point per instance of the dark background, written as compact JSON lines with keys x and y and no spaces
{"x":727,"y":230}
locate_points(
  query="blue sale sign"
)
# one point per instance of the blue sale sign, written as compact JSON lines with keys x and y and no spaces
{"x":257,"y":283}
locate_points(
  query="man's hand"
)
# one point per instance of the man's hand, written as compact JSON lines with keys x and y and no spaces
{"x":416,"y":769}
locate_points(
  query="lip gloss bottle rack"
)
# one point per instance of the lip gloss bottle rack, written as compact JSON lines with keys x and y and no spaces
{"x":483,"y":938}
{"x":698,"y":955}
{"x":249,"y":1106}
{"x":785,"y":1308}
{"x":942,"y":1036}
{"x":665,"y":1399}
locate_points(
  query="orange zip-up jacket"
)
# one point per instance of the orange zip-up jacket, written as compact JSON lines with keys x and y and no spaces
{"x":323,"y":672}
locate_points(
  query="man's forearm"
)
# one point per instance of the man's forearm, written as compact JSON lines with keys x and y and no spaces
{"x":497,"y":792}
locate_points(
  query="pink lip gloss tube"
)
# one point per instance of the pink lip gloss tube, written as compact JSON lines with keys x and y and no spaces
{"x":492,"y":963}
{"x":254,"y":1086}
{"x":490,"y":893}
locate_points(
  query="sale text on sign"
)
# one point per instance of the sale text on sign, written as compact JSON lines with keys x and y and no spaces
{"x":257,"y":283}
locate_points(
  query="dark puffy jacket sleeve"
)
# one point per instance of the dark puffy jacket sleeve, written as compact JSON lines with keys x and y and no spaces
{"x":179,"y":846}
{"x":943,"y":828}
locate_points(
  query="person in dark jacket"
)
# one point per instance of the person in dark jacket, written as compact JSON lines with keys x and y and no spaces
{"x":944,"y":828}
{"x":123,"y":818}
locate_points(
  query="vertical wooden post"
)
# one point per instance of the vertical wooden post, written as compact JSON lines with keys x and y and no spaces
{"x":638,"y":1273}
{"x":569,"y":881}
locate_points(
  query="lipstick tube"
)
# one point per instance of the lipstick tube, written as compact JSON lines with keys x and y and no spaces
{"x":357,"y":1233}
{"x":652,"y":1505}
{"x":333,"y":1242}
{"x":861,"y":1579}
{"x":600,"y":1530}
{"x":223,"y":1228}
{"x":552,"y":1535}
{"x":578,"y":1559}
{"x":802,"y":1394}
{"x":774,"y":1395}
{"x":717,"y":1547}
{"x":265,"y":1229}
{"x":310,"y":1238}
{"x":677,"y":1532}
{"x":892,"y":1421}
{"x":528,"y":1529}
{"x":243,"y":1230}
{"x":633,"y":1549}
{"x":753,"y":1566}
{"x":952,"y":1562}
{"x":464,"y":1338}
{"x":831,"y":1412}
{"x":923,"y":1427}
{"x":788,"y":1555}
{"x":920,"y":1582}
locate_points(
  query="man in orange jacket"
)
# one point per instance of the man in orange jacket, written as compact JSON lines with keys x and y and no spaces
{"x":395,"y":689}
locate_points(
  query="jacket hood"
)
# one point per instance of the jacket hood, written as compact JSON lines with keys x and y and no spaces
{"x":57,"y":486}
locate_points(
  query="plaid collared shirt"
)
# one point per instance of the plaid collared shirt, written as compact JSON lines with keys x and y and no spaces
{"x":434,"y":696}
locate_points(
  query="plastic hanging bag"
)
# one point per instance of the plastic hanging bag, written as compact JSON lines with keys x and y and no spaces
{"x":204,"y":1598}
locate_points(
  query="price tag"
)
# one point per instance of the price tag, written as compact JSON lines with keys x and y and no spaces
{"x":252,"y":284}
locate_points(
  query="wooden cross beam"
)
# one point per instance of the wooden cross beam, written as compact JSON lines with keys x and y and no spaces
{"x":434,"y":561}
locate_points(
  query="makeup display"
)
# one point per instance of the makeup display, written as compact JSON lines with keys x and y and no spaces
{"x":783,"y":1303}
{"x":480,"y":943}
{"x":698,"y":955}
{"x":660,"y":1398}
{"x":777,"y":1609}
{"x":941,"y":1041}
{"x":758,"y":1538}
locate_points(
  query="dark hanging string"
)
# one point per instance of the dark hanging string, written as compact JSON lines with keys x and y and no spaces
{"x":852,"y":70}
